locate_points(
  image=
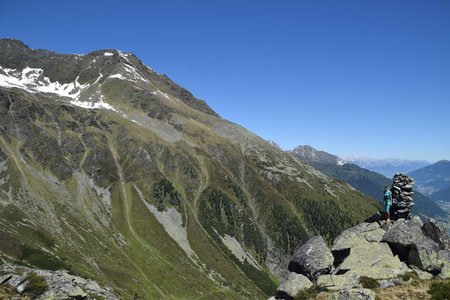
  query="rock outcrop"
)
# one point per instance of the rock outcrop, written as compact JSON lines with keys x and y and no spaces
{"x":382,"y":254}
{"x":44,"y":284}
{"x":373,"y":260}
{"x":412,"y":242}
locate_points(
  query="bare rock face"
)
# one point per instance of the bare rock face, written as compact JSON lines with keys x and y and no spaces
{"x":312,"y":259}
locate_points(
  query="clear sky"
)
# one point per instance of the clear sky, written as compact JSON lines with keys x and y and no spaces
{"x":355,"y":77}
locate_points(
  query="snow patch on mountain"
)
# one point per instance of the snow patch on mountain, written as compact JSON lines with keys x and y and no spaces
{"x":32,"y":80}
{"x":93,"y":105}
{"x":124,"y":56}
{"x":133,"y":73}
{"x":118,"y":76}
{"x":108,"y":54}
{"x":129,"y":73}
{"x":341,"y":162}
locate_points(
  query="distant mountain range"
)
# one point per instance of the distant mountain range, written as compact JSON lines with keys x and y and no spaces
{"x":387,"y":167}
{"x":366,"y":181}
{"x":434,"y":180}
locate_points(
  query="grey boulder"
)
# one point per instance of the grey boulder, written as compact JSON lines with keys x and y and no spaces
{"x":373,"y":260}
{"x":408,"y":241}
{"x":292,"y":286}
{"x":312,"y":259}
{"x":371,"y":232}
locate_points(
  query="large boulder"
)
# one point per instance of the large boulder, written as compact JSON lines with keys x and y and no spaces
{"x":408,"y":241}
{"x":437,"y":232}
{"x":312,"y":259}
{"x":404,"y":233}
{"x":425,"y":257}
{"x":353,"y":294}
{"x":371,"y":232}
{"x":292,"y":286}
{"x":373,"y":260}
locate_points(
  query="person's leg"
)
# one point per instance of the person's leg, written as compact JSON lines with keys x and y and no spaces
{"x":388,"y":209}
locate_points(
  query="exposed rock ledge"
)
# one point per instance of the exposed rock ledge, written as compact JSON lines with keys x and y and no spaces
{"x":50,"y":284}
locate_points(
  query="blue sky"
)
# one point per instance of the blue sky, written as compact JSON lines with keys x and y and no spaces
{"x":356,"y":77}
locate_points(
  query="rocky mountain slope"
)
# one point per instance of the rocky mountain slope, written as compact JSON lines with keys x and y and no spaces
{"x":368,"y":182}
{"x":434,"y":180}
{"x":112,"y":171}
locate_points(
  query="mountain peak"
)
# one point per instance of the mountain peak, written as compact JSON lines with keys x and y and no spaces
{"x":310,"y":154}
{"x":81,"y":77}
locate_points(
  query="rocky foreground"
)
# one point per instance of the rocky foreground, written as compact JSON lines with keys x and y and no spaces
{"x":25,"y":283}
{"x":372,"y":253}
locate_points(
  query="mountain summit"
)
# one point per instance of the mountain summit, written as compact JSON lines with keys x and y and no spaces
{"x":310,"y":155}
{"x":113,"y":172}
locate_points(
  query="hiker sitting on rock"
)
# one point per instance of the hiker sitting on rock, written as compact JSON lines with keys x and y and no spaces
{"x":387,"y":202}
